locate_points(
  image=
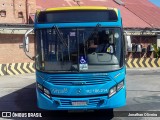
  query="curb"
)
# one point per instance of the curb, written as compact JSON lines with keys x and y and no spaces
{"x":143,"y":63}
{"x":16,"y":68}
{"x":23,"y":68}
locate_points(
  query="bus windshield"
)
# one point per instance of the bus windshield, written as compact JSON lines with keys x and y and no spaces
{"x":86,"y":49}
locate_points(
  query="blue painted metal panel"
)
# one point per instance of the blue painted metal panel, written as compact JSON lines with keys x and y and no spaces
{"x":65,"y":94}
{"x":64,"y":25}
{"x":57,"y":103}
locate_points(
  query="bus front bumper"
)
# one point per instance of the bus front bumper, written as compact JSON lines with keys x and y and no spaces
{"x":85,"y":103}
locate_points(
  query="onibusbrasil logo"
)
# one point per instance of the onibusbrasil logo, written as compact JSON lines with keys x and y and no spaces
{"x":21,"y":115}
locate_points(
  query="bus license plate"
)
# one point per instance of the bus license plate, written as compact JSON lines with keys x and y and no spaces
{"x":79,"y":103}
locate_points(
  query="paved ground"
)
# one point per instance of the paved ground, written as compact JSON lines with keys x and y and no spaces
{"x":17,"y":93}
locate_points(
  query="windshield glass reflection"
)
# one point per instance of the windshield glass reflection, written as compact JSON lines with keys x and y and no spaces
{"x":78,"y":49}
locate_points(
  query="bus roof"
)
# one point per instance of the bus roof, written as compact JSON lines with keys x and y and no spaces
{"x":81,"y":8}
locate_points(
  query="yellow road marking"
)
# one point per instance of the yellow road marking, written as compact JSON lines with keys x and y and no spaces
{"x":134,"y":62}
{"x":1,"y":73}
{"x":129,"y":63}
{"x":152,"y":62}
{"x":158,"y":62}
{"x":30,"y":66}
{"x":25,"y":68}
{"x":8,"y":71}
{"x":12,"y":68}
{"x":140,"y":62}
{"x":146,"y":62}
{"x":19,"y":68}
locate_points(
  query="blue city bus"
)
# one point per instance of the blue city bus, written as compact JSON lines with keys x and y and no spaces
{"x":79,"y":58}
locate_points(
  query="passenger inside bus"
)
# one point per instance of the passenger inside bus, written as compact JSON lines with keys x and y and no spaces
{"x":103,"y":45}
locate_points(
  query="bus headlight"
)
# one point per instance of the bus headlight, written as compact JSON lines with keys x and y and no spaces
{"x":45,"y":91}
{"x":116,"y":88}
{"x":40,"y":87}
{"x":120,"y":86}
{"x":112,"y":91}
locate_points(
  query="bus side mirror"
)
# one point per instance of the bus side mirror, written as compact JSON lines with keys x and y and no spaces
{"x":26,"y":44}
{"x":26,"y":40}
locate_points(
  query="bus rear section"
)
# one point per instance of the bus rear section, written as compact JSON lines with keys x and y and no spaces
{"x":80,"y":61}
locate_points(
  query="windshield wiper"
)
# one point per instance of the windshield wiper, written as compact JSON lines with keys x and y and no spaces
{"x":62,"y":41}
{"x":60,"y":36}
{"x":95,"y":30}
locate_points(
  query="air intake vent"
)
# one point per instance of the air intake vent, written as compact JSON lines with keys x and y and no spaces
{"x":68,"y":103}
{"x":78,"y":80}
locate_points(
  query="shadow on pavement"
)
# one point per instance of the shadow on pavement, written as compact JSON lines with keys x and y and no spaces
{"x":24,"y":100}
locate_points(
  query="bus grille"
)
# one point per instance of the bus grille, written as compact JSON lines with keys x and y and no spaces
{"x":77,"y":80}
